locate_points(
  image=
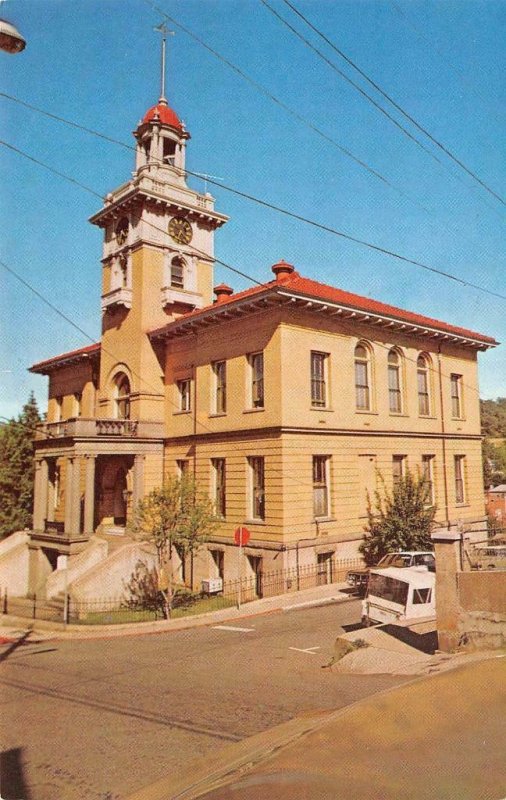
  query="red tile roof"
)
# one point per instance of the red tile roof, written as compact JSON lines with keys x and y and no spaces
{"x":311,"y":289}
{"x":74,"y":355}
{"x":165,"y":114}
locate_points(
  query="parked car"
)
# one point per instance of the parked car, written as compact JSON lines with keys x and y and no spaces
{"x":357,"y":578}
{"x":396,"y":594}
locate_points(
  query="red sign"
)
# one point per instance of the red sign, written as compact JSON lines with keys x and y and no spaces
{"x":242,"y":536}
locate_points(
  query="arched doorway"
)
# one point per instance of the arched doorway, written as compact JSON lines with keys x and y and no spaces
{"x":113,"y":491}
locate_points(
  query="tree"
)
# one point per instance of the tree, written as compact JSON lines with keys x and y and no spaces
{"x":401,"y":520}
{"x":178,"y":517}
{"x":493,"y":417}
{"x":494,"y":463}
{"x":17,"y":469}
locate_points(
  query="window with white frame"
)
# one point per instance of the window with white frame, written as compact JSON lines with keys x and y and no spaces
{"x":219,"y":486}
{"x":362,"y":378}
{"x":256,"y":466}
{"x":456,"y":395}
{"x":319,"y":379}
{"x":256,"y":363}
{"x":122,"y":396}
{"x":220,"y":387}
{"x":423,"y":384}
{"x":321,"y":495}
{"x":398,"y":468}
{"x":184,"y":393}
{"x":428,"y":477}
{"x":460,"y":479}
{"x":394,"y":382}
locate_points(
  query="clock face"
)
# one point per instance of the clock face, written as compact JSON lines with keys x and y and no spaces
{"x":180,"y":230}
{"x":122,"y":231}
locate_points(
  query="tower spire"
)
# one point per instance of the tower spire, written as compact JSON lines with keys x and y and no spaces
{"x":162,"y":28}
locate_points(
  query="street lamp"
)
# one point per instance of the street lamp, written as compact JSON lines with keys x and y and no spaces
{"x":10,"y":38}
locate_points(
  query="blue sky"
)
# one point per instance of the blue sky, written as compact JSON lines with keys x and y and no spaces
{"x":97,"y":63}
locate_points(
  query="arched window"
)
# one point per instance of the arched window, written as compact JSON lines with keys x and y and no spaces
{"x":423,"y":383}
{"x":122,"y":396}
{"x":362,"y":378}
{"x":177,"y":272}
{"x":394,"y":382}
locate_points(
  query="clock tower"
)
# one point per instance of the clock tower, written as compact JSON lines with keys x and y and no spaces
{"x":158,"y":255}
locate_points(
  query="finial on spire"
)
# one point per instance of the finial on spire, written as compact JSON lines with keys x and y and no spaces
{"x":162,"y":28}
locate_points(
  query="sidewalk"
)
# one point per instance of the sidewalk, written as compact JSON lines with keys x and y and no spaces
{"x":12,"y":628}
{"x":438,"y":737}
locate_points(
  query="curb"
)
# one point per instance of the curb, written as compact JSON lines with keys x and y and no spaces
{"x":58,"y":630}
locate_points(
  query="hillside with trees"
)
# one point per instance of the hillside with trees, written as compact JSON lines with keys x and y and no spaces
{"x":493,"y":427}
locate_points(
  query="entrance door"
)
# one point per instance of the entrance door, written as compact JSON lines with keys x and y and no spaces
{"x":256,"y":566}
{"x":324,"y":569}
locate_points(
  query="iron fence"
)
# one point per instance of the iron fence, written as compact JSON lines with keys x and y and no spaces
{"x":119,"y":609}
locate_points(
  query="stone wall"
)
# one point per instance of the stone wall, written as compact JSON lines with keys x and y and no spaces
{"x":470,"y":606}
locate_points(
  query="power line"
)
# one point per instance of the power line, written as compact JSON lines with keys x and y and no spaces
{"x":348,"y":80}
{"x":286,"y":107}
{"x":469,"y":85}
{"x":384,"y":94}
{"x":292,"y":215}
{"x":123,"y":145}
{"x":296,"y":482}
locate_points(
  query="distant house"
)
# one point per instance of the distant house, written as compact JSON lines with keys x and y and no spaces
{"x":495,"y":499}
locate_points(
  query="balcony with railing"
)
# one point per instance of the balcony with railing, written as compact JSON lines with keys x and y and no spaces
{"x":121,"y":296}
{"x":87,"y":428}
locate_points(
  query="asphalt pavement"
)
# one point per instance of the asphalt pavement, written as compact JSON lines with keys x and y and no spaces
{"x":440,"y":737}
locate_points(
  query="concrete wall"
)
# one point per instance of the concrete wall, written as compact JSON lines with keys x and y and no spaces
{"x":78,"y":565}
{"x":14,"y":561}
{"x":106,"y":580}
{"x":470,"y":606}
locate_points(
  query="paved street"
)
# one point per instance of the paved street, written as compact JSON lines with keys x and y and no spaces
{"x":99,"y":719}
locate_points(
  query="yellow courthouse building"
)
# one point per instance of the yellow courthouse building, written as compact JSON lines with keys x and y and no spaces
{"x":290,"y":401}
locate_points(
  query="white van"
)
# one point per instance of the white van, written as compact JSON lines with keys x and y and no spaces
{"x":396,"y":594}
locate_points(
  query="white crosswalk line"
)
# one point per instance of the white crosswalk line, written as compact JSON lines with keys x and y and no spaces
{"x":230,"y":628}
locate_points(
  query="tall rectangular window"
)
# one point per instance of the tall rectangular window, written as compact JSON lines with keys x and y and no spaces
{"x":398,"y":465}
{"x":321,"y":503}
{"x":183,"y":467}
{"x":460,"y":489}
{"x":220,"y":387}
{"x":219,"y":486}
{"x":257,"y":487}
{"x":319,"y":362}
{"x":256,"y":361}
{"x":394,"y":382}
{"x":58,"y":408}
{"x":78,"y":399}
{"x":456,"y":395}
{"x":428,"y":476}
{"x":422,"y":377}
{"x":184,"y":390}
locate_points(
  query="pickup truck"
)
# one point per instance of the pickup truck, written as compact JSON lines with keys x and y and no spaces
{"x":357,"y":578}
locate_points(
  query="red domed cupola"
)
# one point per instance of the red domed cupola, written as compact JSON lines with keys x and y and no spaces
{"x":163,"y":114}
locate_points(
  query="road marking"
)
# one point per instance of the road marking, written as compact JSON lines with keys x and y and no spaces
{"x":230,"y":628}
{"x":309,"y":650}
